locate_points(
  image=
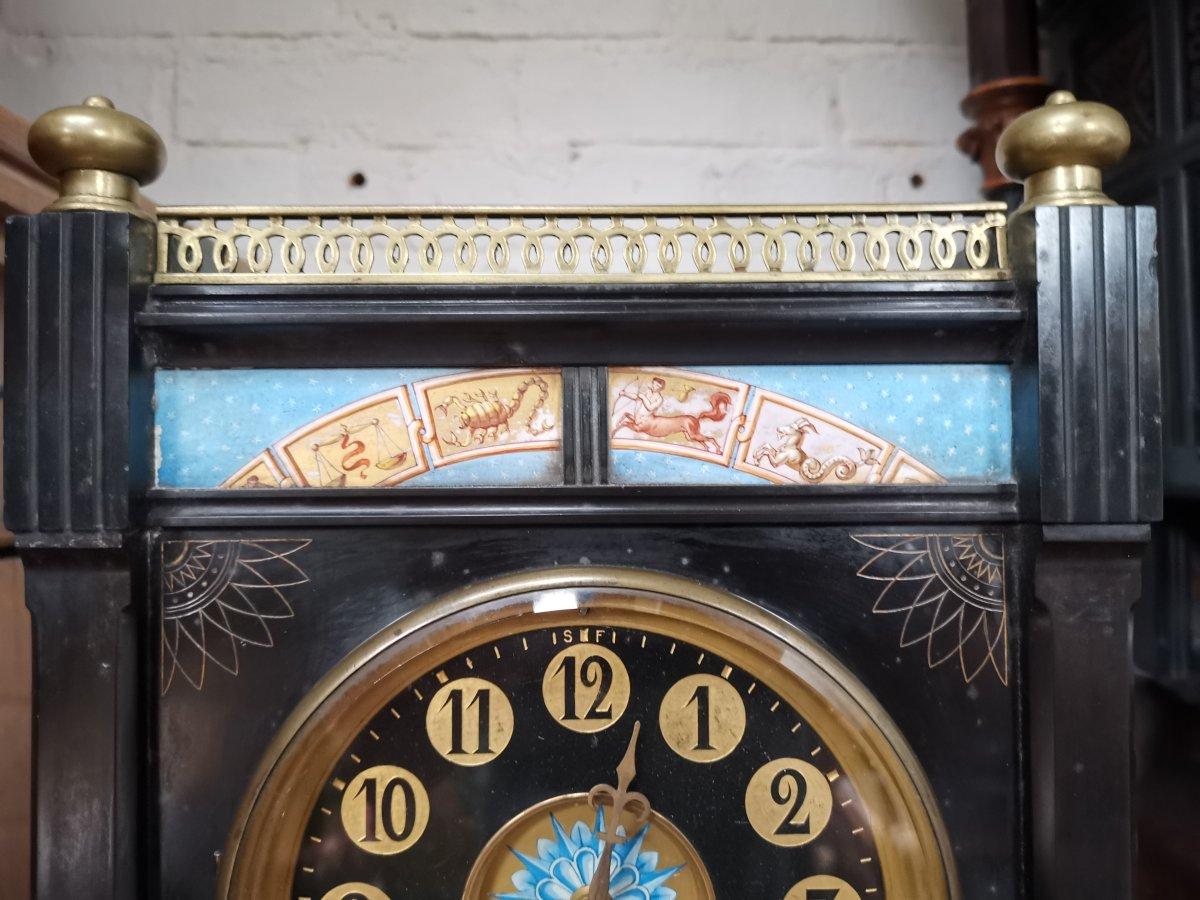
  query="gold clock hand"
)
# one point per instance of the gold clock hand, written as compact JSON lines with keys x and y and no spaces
{"x":622,"y":800}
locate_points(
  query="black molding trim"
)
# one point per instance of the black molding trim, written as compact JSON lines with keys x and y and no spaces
{"x":585,"y":437}
{"x":598,"y":425}
{"x":337,"y":326}
{"x":1098,"y":363}
{"x":520,"y":295}
{"x":572,"y":427}
{"x":88,"y":744}
{"x":1087,"y":579}
{"x":593,"y":504}
{"x":74,"y":403}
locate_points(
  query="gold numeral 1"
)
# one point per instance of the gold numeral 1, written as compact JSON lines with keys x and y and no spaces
{"x":702,"y":718}
{"x":385,"y":810}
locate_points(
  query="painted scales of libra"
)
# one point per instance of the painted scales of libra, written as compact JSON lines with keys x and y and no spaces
{"x":612,"y":552}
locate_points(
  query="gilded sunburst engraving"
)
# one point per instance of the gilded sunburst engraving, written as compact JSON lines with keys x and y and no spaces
{"x":949,"y":589}
{"x":219,"y":597}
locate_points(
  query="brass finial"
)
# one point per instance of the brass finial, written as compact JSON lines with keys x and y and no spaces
{"x":99,"y":154}
{"x":1058,"y":150}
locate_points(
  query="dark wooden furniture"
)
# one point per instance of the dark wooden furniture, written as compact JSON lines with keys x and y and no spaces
{"x":1142,"y":59}
{"x":24,"y":188}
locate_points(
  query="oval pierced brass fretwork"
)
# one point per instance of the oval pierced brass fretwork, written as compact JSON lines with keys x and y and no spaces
{"x":581,"y":245}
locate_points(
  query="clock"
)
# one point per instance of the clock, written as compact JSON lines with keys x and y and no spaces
{"x":328,"y":457}
{"x":596,"y":732}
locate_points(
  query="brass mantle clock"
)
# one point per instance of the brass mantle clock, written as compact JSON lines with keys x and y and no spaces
{"x":590,"y":553}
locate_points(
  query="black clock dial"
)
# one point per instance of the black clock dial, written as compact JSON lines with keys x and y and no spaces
{"x":552,"y":744}
{"x":548,"y":712}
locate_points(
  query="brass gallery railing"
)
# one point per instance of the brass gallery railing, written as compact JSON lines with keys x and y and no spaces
{"x":581,"y":245}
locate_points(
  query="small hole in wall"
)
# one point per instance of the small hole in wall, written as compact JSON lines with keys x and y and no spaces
{"x":917,"y":180}
{"x":358,"y":179}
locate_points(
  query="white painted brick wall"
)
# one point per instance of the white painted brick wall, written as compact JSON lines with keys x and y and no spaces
{"x":516,"y":101}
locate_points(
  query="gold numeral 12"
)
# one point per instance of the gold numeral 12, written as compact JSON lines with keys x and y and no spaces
{"x":586,"y":687}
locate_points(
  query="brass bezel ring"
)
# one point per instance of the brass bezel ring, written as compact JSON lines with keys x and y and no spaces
{"x":269,"y":827}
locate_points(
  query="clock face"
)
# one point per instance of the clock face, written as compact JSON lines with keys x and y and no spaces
{"x":630,"y":743}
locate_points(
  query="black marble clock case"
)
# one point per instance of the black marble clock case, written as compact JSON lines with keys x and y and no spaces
{"x":134,"y":789}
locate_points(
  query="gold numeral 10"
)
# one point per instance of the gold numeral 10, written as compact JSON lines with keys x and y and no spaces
{"x":586,"y":687}
{"x":385,"y":810}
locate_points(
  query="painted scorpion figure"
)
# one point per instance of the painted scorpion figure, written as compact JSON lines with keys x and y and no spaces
{"x":485,"y":416}
{"x":790,"y":454}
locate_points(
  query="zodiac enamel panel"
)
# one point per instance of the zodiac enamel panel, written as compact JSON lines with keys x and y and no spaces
{"x":816,"y":425}
{"x":369,"y":443}
{"x":334,"y":428}
{"x":789,"y":441}
{"x":483,"y":413}
{"x":812,"y":425}
{"x":262,"y":471}
{"x":674,"y":411}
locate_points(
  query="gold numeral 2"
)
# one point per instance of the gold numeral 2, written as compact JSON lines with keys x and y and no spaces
{"x":788,"y":802}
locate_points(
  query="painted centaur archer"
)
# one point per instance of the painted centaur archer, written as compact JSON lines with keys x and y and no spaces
{"x":645,"y":418}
